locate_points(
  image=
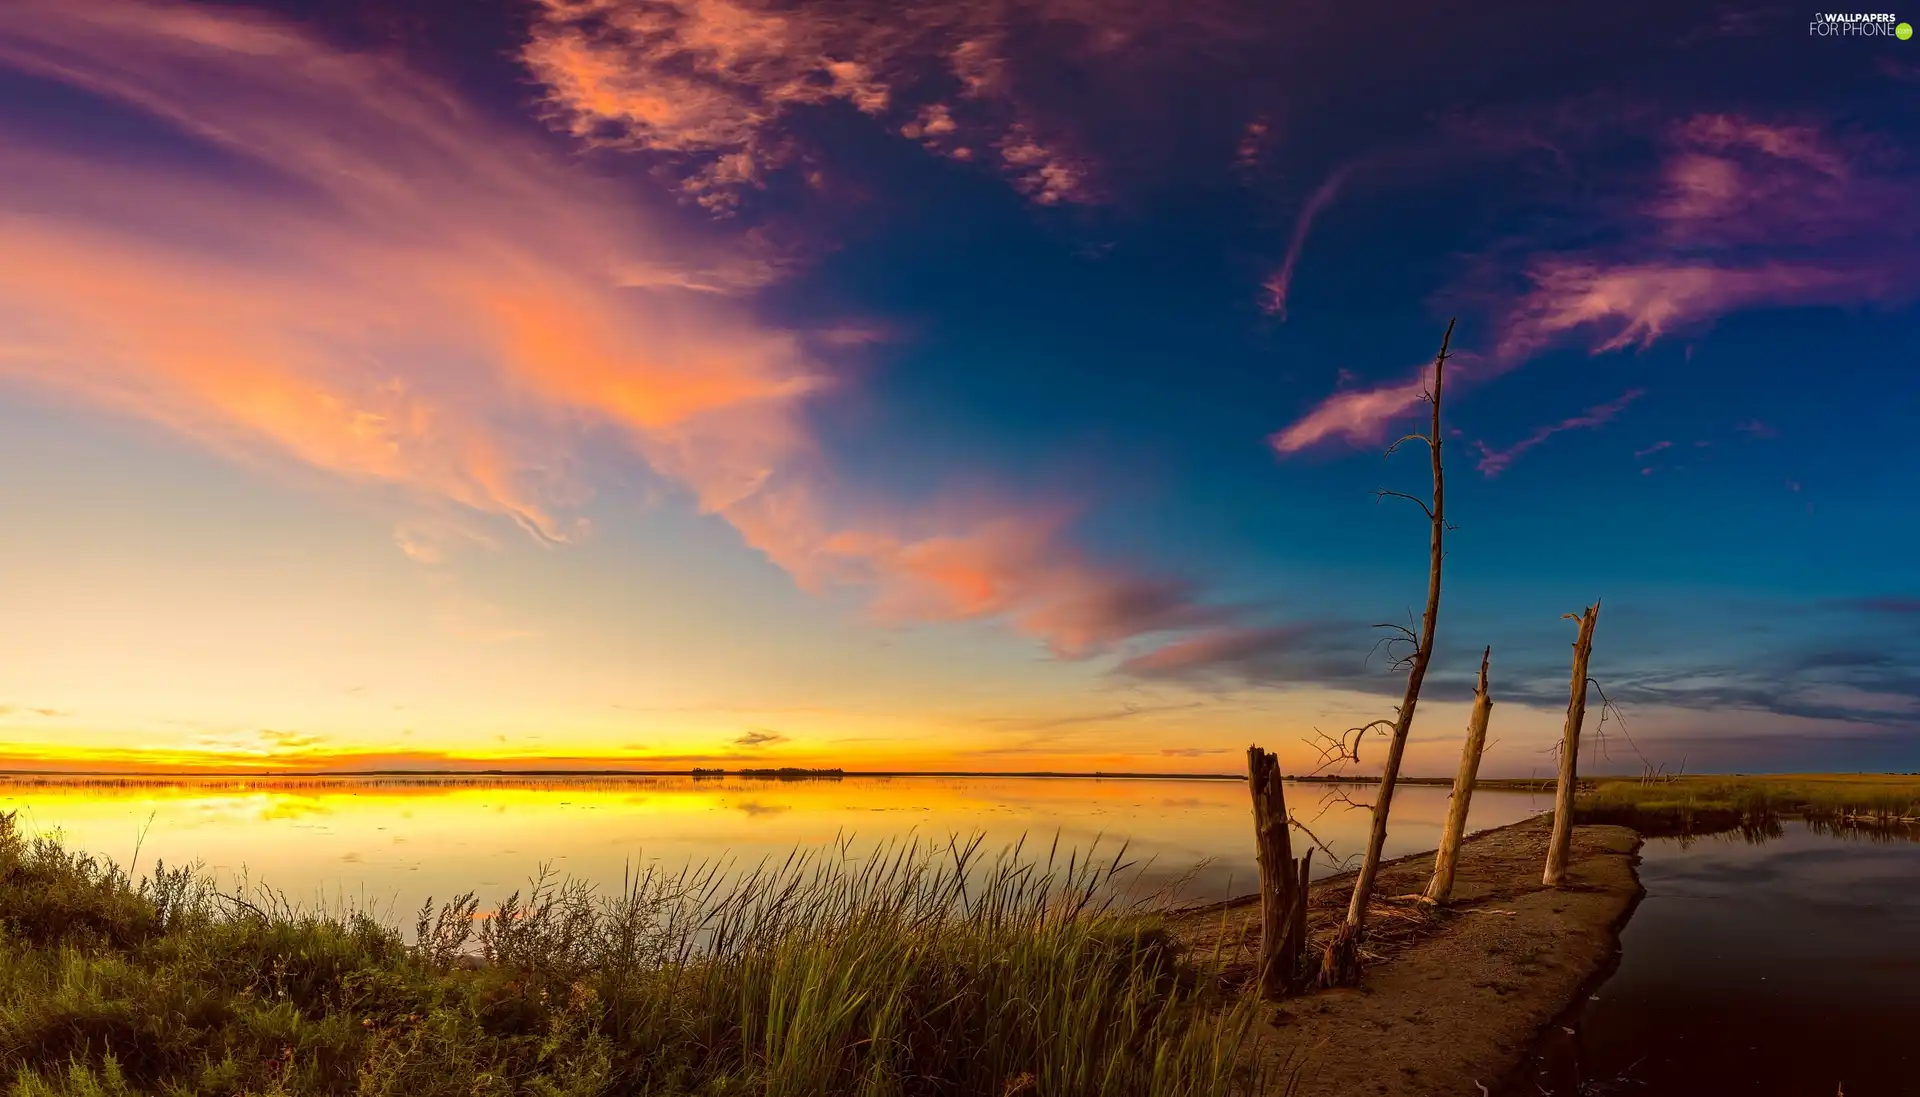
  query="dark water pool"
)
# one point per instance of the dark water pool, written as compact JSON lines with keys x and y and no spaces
{"x":1781,"y":963}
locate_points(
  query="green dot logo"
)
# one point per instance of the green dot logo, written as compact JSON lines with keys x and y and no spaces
{"x":1903,"y":32}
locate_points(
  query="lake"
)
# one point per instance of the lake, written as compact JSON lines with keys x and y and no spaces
{"x":1764,"y":965}
{"x":389,"y":843}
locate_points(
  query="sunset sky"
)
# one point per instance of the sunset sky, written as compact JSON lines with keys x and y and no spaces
{"x":948,"y":384}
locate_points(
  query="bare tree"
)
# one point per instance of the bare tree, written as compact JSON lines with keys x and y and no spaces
{"x":1556,"y":874}
{"x":1283,"y":879}
{"x":1340,"y":966}
{"x":1443,"y":861}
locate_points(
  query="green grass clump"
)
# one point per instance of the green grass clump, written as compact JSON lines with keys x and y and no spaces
{"x":923,"y":970}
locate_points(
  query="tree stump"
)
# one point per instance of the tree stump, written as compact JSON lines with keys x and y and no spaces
{"x":1445,"y":858}
{"x":1283,"y":880}
{"x":1556,"y":874}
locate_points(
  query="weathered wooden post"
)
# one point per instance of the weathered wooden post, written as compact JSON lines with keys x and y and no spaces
{"x":1556,"y":874}
{"x":1283,"y":880}
{"x":1442,"y":884}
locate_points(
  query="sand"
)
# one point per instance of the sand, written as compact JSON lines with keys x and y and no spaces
{"x":1452,"y":999}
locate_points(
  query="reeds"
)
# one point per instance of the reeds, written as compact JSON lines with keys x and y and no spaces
{"x":1705,"y":804}
{"x":920,"y":969}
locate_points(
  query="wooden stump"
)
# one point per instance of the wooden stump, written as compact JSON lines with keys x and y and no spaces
{"x":1283,"y":880}
{"x":1444,"y":859}
{"x":1556,"y":874}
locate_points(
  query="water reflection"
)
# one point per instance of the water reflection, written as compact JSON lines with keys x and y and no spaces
{"x":388,"y":843}
{"x":1779,"y":957}
{"x":1860,"y":830}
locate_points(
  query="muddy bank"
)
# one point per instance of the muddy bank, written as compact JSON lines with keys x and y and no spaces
{"x":1453,"y":999}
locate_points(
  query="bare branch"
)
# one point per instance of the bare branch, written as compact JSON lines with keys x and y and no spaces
{"x":1405,"y":636}
{"x":1408,"y":438}
{"x":1345,"y":747}
{"x":1405,"y":632}
{"x":1341,"y":863}
{"x":1607,"y":706}
{"x":1383,"y":493}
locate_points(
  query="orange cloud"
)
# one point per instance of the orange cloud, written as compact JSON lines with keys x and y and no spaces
{"x":379,"y":298}
{"x":713,"y":86}
{"x":342,"y":265}
{"x":984,"y":560}
{"x":1357,"y":416}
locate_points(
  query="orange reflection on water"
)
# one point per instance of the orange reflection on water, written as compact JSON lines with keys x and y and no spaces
{"x":391,"y":842}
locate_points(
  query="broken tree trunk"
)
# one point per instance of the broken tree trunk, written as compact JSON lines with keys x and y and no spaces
{"x":1556,"y":873}
{"x":1442,"y":884}
{"x":1283,"y":879}
{"x":1340,"y":965}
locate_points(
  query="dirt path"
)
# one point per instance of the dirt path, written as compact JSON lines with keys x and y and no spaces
{"x":1452,"y":1000}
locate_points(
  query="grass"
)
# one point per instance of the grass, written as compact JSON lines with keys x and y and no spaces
{"x":1703,"y":803}
{"x":923,"y":970}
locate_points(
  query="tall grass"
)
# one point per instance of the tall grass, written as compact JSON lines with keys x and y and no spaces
{"x":922,"y":970}
{"x":1703,"y":803}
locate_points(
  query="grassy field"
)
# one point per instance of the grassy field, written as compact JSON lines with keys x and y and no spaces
{"x":920,"y":971}
{"x":1719,"y":802}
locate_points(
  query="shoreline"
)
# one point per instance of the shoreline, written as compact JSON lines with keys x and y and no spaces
{"x":1454,"y":998}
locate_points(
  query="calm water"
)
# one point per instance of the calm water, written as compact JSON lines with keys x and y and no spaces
{"x":1787,"y":967}
{"x":389,"y":844}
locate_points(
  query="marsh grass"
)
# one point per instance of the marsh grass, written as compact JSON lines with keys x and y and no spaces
{"x":920,"y":970}
{"x":1704,"y":804}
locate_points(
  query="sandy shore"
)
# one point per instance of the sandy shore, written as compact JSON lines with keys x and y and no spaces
{"x":1452,"y":1000}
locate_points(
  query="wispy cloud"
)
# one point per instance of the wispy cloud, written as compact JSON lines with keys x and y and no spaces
{"x":1744,"y":214}
{"x":1253,"y":141}
{"x":1740,"y":214}
{"x":1894,"y":604}
{"x":759,"y":737}
{"x":1493,"y":462}
{"x":1128,"y":711}
{"x":1636,"y":303}
{"x":716,"y":89}
{"x":347,"y":267}
{"x":1250,"y":653}
{"x":977,"y":559}
{"x":1358,"y":417}
{"x":407,"y":276}
{"x":1280,"y":282}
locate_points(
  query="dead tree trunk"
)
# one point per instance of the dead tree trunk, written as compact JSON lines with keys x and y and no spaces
{"x":1283,"y":880}
{"x":1340,"y":966}
{"x":1442,"y":884}
{"x":1556,"y":873}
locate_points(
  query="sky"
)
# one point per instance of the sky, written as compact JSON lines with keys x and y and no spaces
{"x":975,"y":385}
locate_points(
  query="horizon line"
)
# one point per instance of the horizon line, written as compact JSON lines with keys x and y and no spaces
{"x":697,"y":772}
